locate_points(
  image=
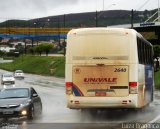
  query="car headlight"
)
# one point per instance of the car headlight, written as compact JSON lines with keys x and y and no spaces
{"x":24,"y":112}
{"x":26,"y":103}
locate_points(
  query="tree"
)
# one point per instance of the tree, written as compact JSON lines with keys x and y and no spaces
{"x":39,"y":49}
{"x":46,"y":47}
{"x":32,"y":50}
{"x":20,"y":48}
{"x":2,"y":53}
{"x":64,"y":48}
{"x":156,"y":49}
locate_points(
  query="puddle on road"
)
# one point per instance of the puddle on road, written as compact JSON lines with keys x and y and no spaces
{"x":46,"y":83}
{"x":156,"y":98}
{"x":155,"y":102}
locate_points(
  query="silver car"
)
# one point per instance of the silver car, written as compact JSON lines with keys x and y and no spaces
{"x":18,"y":74}
{"x":20,"y":102}
{"x":7,"y":78}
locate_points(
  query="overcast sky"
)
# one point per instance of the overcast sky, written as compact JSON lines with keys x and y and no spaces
{"x":28,"y":9}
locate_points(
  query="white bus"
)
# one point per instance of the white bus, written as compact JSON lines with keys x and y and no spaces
{"x":108,"y":68}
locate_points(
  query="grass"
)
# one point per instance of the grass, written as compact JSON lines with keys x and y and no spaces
{"x":42,"y":65}
{"x":157,"y":79}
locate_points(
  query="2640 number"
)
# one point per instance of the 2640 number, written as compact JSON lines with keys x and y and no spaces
{"x":120,"y":70}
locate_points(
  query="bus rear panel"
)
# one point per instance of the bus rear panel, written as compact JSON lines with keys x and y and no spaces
{"x":102,"y":69}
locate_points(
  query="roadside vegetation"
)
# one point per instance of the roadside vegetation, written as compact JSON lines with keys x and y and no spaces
{"x":42,"y":65}
{"x":157,"y":79}
{"x":157,"y":66}
{"x":33,"y":61}
{"x":44,"y":47}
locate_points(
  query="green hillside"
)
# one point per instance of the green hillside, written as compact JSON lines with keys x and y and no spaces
{"x":42,"y":65}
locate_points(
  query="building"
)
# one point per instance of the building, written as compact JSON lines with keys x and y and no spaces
{"x":6,"y":48}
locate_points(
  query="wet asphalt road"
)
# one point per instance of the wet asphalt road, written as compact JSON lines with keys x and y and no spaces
{"x":55,"y":114}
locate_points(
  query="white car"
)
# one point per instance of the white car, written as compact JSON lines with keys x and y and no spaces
{"x":7,"y":78}
{"x":18,"y":74}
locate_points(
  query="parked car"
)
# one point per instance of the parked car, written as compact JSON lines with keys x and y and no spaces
{"x":20,"y":102}
{"x":7,"y":78}
{"x":18,"y":74}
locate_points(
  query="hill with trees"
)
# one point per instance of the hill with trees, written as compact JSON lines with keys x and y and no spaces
{"x":88,"y":19}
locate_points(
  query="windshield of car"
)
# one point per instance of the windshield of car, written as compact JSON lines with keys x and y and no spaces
{"x":7,"y":75}
{"x":19,"y":71}
{"x":14,"y":93}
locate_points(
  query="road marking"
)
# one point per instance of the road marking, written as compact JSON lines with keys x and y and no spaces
{"x":151,"y":122}
{"x":155,"y":119}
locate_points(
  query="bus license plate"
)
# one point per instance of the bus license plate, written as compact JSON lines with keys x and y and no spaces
{"x":100,"y":93}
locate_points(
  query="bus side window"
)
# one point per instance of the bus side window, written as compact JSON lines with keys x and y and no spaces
{"x":148,"y":55}
{"x":142,"y":51}
{"x":139,"y":50}
{"x":145,"y":53}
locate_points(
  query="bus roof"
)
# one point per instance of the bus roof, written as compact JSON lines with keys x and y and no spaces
{"x":97,"y":30}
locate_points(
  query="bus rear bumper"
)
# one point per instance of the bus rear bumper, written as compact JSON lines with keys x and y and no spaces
{"x":130,"y":101}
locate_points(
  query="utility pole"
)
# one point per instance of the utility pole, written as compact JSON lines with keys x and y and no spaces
{"x":32,"y":41}
{"x":64,"y":20}
{"x":132,"y":15}
{"x":25,"y":47}
{"x":64,"y":23}
{"x":64,"y":42}
{"x":59,"y":33}
{"x":35,"y":26}
{"x":96,"y":18}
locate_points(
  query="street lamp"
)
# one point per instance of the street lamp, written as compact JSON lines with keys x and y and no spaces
{"x":64,"y":20}
{"x":34,"y":33}
{"x":48,"y":22}
{"x":35,"y":24}
{"x":59,"y":40}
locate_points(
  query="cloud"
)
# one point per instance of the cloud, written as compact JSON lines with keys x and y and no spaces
{"x":30,"y":8}
{"x":34,"y":4}
{"x":23,"y":9}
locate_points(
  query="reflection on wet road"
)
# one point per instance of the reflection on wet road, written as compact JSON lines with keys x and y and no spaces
{"x":56,"y":115}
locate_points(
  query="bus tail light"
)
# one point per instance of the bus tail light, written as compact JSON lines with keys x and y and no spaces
{"x":77,"y":102}
{"x":133,"y":87}
{"x":69,"y":88}
{"x":124,"y":102}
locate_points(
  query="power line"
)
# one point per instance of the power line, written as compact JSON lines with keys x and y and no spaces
{"x":143,"y":4}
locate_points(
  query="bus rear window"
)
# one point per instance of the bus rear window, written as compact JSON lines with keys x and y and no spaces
{"x":100,"y":45}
